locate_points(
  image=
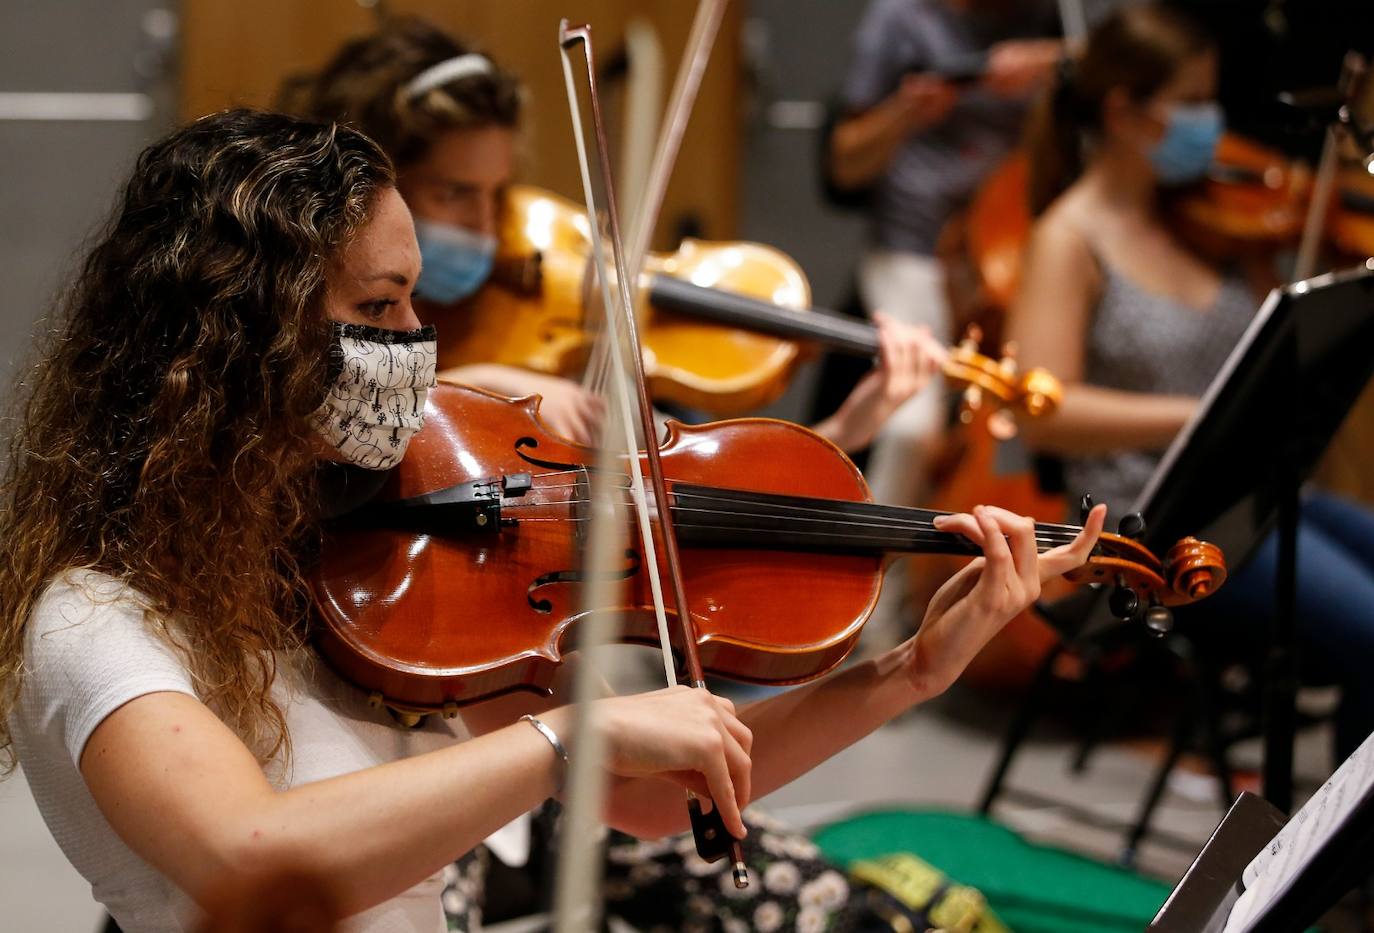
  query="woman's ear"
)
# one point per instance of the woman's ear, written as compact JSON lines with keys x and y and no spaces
{"x":1128,"y":120}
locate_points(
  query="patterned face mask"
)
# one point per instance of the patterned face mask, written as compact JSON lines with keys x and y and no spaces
{"x":379,"y":380}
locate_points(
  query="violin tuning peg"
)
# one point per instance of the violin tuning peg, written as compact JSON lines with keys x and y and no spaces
{"x":1008,"y":360}
{"x":1132,"y":525}
{"x":1159,"y":620}
{"x":1001,"y":425}
{"x":1085,"y":505}
{"x":972,"y":401}
{"x":1123,"y":603}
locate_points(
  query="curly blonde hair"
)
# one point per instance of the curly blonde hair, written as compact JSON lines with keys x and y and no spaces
{"x":165,"y":437}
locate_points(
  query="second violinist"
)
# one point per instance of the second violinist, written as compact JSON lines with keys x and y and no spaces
{"x":450,"y":118}
{"x":1138,"y":324}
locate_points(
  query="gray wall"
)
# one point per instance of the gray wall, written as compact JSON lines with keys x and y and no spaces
{"x":59,"y":176}
{"x":57,"y":182}
{"x":798,"y":51}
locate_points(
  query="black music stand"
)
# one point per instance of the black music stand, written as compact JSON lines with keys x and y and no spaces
{"x":1239,"y":464}
{"x":1263,"y":873}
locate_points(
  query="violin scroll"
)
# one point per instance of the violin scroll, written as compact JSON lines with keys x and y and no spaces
{"x":1191,"y":570}
{"x":1195,"y":569}
{"x":1034,"y":393}
{"x":1040,"y":392}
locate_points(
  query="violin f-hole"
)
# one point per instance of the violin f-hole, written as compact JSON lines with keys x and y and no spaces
{"x":544,"y":606}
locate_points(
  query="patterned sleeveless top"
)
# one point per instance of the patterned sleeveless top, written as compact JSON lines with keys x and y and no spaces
{"x":1140,"y":341}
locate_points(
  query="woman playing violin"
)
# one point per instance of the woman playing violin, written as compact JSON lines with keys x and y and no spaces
{"x":450,"y":120}
{"x":1137,"y":325}
{"x":162,"y":500}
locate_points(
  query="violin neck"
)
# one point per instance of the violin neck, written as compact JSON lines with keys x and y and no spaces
{"x":731,"y":308}
{"x":707,"y":516}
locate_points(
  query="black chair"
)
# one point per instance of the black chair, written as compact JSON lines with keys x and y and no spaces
{"x":1099,"y":643}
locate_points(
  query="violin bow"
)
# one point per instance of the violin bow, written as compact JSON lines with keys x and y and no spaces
{"x":695,"y":57}
{"x":579,"y":871}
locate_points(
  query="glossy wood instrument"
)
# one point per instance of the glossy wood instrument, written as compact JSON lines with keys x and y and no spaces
{"x":1252,"y":198}
{"x":463,"y":579}
{"x":723,"y":324}
{"x":1351,"y":223}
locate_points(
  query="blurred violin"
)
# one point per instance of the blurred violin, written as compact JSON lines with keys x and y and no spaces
{"x":1350,"y":225}
{"x":723,"y":324}
{"x":464,"y":578}
{"x":1252,"y":198}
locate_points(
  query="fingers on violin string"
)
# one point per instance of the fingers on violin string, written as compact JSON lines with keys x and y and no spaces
{"x":910,"y":364}
{"x":960,"y":523}
{"x":1020,"y":532}
{"x":934,"y":353}
{"x":1070,"y":556}
{"x":1000,"y":567}
{"x":886,"y":342}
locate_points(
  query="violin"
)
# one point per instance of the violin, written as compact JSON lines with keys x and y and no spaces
{"x":1252,"y":198}
{"x":462,"y":579}
{"x":722,"y":323}
{"x":1350,"y":225}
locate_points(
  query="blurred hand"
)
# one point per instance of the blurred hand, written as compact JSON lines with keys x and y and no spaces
{"x":908,"y":356}
{"x":975,"y":603}
{"x":568,"y":409}
{"x":1017,"y":67}
{"x":926,"y":99}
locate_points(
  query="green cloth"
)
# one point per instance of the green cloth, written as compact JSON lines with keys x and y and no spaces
{"x":1032,"y":888}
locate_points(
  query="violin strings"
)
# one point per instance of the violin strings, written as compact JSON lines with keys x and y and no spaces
{"x":899,"y":532}
{"x":723,"y":494}
{"x":892,"y":521}
{"x":1044,"y":532}
{"x":572,"y":486}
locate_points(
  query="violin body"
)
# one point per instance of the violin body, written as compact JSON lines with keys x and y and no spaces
{"x":462,"y":580}
{"x":540,"y":310}
{"x":426,"y":620}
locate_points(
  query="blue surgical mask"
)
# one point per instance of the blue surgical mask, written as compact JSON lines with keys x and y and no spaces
{"x":1185,"y":151}
{"x":455,"y":261}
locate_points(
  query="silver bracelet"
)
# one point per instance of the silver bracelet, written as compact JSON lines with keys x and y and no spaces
{"x":558,"y":748}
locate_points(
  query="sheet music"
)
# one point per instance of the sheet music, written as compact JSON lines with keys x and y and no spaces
{"x":1276,"y":866}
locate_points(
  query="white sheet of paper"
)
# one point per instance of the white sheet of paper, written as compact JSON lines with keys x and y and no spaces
{"x":511,"y":843}
{"x":1271,"y":871}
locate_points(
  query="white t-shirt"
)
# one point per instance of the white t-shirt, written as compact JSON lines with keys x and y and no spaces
{"x":88,"y":651}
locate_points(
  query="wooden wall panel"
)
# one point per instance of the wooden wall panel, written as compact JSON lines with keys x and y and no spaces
{"x":237,"y":53}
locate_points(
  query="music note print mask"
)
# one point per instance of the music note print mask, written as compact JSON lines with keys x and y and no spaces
{"x":379,"y":380}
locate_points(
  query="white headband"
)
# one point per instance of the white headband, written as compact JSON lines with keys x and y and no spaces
{"x":448,"y":70}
